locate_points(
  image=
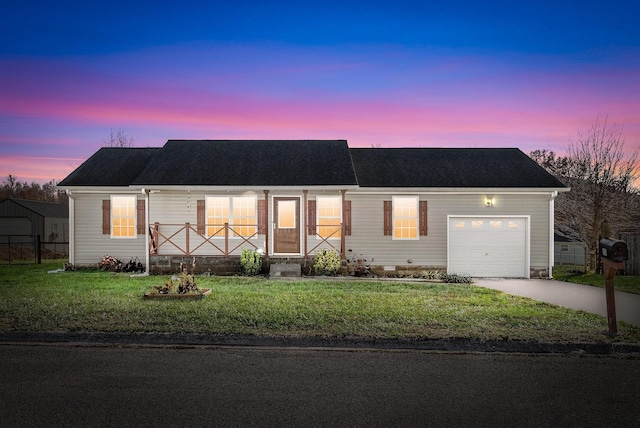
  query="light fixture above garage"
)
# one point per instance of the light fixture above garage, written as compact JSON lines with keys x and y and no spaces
{"x":488,"y":201}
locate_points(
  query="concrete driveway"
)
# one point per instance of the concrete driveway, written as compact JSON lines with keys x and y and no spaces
{"x":574,"y":296}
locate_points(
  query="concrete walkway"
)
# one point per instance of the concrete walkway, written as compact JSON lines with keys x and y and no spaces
{"x":574,"y":296}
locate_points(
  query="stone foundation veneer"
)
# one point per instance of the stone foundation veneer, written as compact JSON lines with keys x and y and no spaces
{"x":167,"y":265}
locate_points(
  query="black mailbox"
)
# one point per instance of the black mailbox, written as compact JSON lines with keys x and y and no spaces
{"x":614,"y":250}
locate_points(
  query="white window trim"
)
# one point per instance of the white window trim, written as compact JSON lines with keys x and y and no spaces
{"x":232,"y":235}
{"x":393,"y":217}
{"x":135,"y":217}
{"x":334,"y":237}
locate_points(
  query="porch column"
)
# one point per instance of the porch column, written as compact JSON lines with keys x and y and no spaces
{"x":304,"y":221}
{"x":342,"y":238}
{"x":146,"y":228}
{"x":268,"y":225}
{"x":551,"y":232}
{"x":72,"y":227}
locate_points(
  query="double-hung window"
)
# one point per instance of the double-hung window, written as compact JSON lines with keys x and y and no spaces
{"x":329,"y":216}
{"x":123,"y":216}
{"x":405,"y":217}
{"x":239,"y":212}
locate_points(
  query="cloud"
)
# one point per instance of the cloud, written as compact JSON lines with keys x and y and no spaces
{"x":370,"y":95}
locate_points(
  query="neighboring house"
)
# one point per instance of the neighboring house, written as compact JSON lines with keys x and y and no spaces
{"x":483,"y":212}
{"x":27,"y":217}
{"x":568,"y":252}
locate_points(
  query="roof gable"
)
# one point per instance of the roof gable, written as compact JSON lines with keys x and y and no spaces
{"x":451,"y":168}
{"x":250,"y":163}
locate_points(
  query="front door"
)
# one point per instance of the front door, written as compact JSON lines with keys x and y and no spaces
{"x":286,"y":234}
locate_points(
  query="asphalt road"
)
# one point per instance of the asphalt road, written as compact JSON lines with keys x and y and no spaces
{"x":70,"y":385}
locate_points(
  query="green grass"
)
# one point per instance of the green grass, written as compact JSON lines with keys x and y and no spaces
{"x":32,"y":300}
{"x":575,"y":274}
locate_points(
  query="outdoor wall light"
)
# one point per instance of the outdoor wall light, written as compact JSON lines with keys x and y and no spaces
{"x":488,"y":201}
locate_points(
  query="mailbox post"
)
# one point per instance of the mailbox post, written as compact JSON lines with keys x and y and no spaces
{"x":613,"y":253}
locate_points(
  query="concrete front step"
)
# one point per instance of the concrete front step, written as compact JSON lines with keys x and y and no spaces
{"x":285,"y":270}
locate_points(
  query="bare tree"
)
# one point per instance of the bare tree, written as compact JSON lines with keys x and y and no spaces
{"x":14,"y":188}
{"x":601,"y":176}
{"x":120,"y":139}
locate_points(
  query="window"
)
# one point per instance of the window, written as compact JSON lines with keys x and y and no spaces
{"x":405,"y":217}
{"x":123,"y":216}
{"x":238,"y":211}
{"x":329,"y":216}
{"x":564,"y":247}
{"x":287,"y":215}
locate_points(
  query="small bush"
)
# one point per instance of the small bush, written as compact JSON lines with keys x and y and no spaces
{"x":112,"y":264}
{"x":326,"y":262}
{"x":428,"y":274}
{"x":250,"y":262}
{"x":455,"y":279}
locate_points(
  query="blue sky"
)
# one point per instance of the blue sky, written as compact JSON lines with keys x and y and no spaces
{"x":447,"y":74}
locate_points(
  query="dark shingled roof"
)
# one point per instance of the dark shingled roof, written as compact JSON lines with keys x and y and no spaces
{"x":431,"y":167}
{"x":111,"y":166}
{"x":307,"y":163}
{"x":250,"y":163}
{"x":43,"y":208}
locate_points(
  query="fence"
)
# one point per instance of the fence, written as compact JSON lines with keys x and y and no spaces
{"x":30,"y":249}
{"x":632,"y":266}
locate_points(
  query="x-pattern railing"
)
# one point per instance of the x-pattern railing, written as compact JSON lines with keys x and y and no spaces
{"x":184,"y":232}
{"x":159,"y":239}
{"x":325,"y":239}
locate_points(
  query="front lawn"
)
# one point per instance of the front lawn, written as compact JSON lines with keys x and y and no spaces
{"x":576,"y":274}
{"x":32,"y":300}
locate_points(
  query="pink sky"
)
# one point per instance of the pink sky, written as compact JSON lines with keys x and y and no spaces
{"x":56,"y":112}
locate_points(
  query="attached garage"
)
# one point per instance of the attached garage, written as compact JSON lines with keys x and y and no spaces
{"x":489,"y":246}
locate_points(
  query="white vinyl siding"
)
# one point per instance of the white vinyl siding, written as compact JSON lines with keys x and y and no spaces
{"x":368,"y":226}
{"x":90,"y":245}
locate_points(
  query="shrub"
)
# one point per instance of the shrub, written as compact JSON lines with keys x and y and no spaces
{"x":186,"y":284}
{"x":428,"y":274}
{"x":250,"y":262}
{"x":326,"y":262}
{"x":455,"y":279}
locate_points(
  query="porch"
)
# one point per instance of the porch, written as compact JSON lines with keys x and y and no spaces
{"x":217,"y":247}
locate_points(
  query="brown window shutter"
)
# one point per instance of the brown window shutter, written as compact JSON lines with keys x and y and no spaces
{"x":311,"y":217}
{"x":346,"y":218}
{"x":141,"y":219}
{"x":106,"y":216}
{"x":388,"y":218}
{"x":201,"y":217}
{"x":262,"y":217}
{"x":423,"y":218}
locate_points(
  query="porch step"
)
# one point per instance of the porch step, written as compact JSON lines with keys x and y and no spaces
{"x":285,"y":270}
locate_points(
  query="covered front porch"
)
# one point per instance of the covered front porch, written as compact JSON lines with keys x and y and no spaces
{"x":217,"y":247}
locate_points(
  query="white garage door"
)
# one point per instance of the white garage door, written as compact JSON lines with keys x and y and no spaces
{"x":488,"y":246}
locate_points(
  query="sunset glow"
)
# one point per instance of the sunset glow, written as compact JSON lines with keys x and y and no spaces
{"x":445,"y":77}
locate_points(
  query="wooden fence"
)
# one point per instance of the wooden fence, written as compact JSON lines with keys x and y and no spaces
{"x":632,"y":266}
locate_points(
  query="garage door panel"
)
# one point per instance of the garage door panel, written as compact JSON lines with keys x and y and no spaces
{"x":485,"y":246}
